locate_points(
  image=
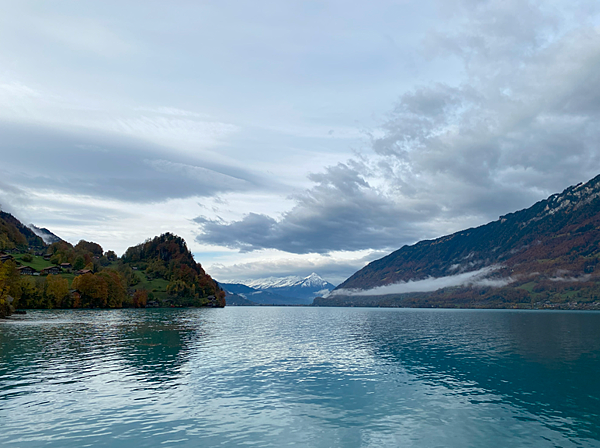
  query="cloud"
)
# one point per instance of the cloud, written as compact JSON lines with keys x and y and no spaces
{"x":175,"y":128}
{"x":334,"y":269}
{"x":107,"y":166}
{"x":475,"y":278}
{"x":520,"y":125}
{"x":12,"y":198}
{"x":342,"y":212}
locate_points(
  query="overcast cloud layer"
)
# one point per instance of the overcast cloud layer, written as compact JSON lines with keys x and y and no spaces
{"x":521,"y":124}
{"x":284,"y":138}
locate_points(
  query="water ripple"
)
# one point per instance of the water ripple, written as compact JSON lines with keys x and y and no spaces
{"x":300,"y":377}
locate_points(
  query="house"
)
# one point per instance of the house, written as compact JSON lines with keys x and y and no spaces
{"x":6,"y":257}
{"x":51,"y":270}
{"x":47,"y":257}
{"x":84,"y":271}
{"x":66,"y":267}
{"x":26,"y":270}
{"x":74,"y":294}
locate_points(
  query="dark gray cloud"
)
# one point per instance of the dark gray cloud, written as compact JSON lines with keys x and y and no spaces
{"x":111,"y":166}
{"x":521,"y":125}
{"x":342,"y":212}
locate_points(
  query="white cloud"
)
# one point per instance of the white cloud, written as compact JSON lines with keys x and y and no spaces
{"x":230,"y":267}
{"x":175,"y":131}
{"x":475,"y":278}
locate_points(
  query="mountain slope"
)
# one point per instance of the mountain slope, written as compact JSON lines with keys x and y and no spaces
{"x":545,"y":254}
{"x":15,"y":235}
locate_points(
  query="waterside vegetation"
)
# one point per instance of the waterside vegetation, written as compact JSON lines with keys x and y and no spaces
{"x":161,"y":272}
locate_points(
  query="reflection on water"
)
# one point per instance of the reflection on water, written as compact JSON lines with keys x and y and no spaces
{"x":301,"y":377}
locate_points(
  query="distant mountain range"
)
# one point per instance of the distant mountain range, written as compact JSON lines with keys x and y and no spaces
{"x":293,"y":290}
{"x":545,"y":256}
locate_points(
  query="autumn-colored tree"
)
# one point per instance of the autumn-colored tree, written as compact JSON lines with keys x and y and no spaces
{"x":4,"y":288}
{"x":57,"y":290}
{"x":88,"y":246}
{"x":31,"y":292}
{"x":115,"y":283}
{"x":140,"y":298}
{"x":93,"y":290}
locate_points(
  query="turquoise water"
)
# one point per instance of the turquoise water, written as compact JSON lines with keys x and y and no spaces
{"x":307,"y":377}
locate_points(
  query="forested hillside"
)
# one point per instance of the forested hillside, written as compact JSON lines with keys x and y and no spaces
{"x":14,"y":235}
{"x":167,"y":258}
{"x":158,"y":272}
{"x":543,"y":256}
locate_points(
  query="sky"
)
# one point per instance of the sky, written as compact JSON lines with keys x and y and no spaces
{"x":284,"y":138}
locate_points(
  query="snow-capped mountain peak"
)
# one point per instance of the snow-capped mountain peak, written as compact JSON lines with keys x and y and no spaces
{"x":313,"y":280}
{"x":305,"y":289}
{"x":274,"y":282}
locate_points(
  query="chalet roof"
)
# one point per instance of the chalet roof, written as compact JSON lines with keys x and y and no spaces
{"x":25,"y":267}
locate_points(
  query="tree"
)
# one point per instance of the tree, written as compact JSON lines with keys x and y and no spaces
{"x":57,"y":290}
{"x":4,"y":288}
{"x":93,"y":289}
{"x":88,"y":246}
{"x":31,"y":292}
{"x":9,"y":287}
{"x":79,"y":263}
{"x":140,"y":298}
{"x":115,"y":284}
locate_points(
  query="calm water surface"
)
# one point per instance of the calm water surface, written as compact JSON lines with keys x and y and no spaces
{"x":310,"y":377}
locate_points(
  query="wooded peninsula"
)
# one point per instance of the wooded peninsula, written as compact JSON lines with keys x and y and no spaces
{"x":161,"y":272}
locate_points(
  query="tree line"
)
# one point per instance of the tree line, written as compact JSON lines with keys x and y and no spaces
{"x":111,"y":282}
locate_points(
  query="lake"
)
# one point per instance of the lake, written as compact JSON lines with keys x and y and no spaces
{"x":302,"y":377}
